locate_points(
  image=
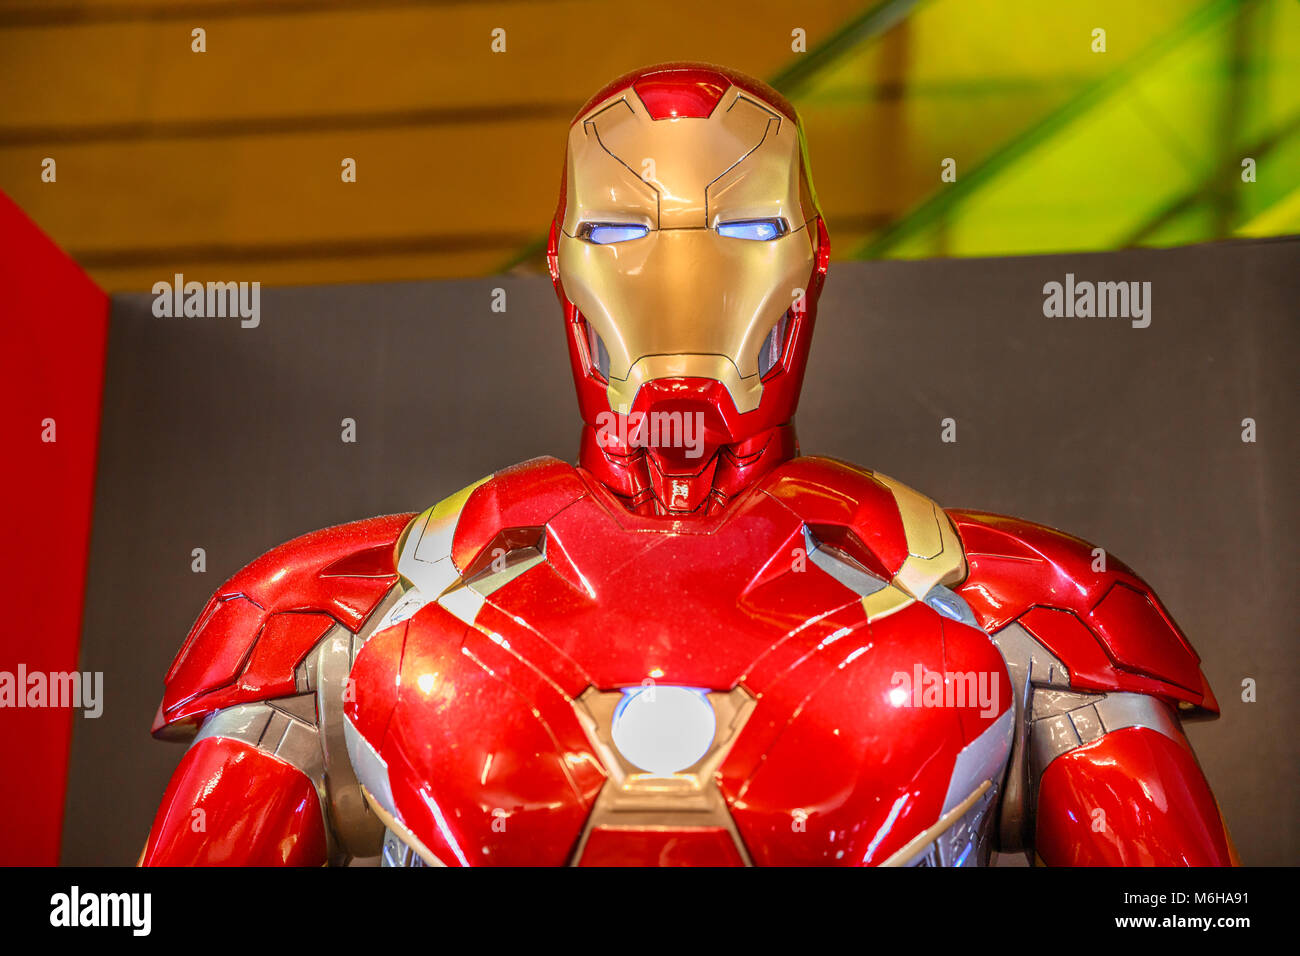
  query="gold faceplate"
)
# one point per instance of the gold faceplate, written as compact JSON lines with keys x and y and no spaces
{"x":684,"y":301}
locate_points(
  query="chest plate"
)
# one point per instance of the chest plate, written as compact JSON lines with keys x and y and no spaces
{"x":609,"y":688}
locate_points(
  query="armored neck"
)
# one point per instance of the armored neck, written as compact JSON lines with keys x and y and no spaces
{"x":654,"y":481}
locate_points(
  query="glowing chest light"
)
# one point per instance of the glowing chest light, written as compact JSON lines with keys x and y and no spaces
{"x":663,"y":729}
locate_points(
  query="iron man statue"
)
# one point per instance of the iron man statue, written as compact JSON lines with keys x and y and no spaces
{"x":695,"y":647}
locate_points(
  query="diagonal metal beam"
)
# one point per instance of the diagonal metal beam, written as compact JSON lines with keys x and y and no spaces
{"x":940,"y":204}
{"x":1225,"y":171}
{"x":869,"y":25}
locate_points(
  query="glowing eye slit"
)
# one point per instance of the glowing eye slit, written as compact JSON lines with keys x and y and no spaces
{"x":755,"y":230}
{"x":609,"y":233}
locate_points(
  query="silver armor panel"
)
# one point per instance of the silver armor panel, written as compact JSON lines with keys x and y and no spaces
{"x":1051,"y":720}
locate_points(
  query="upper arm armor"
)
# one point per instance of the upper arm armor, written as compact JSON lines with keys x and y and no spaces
{"x":254,"y":635}
{"x":1090,"y":611}
{"x":1100,"y":672}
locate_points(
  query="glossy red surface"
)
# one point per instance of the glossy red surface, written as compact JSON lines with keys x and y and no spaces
{"x":489,"y":765}
{"x":845,"y":506}
{"x":476,"y":772}
{"x":1107,"y":626}
{"x":686,"y":86}
{"x":51,"y":367}
{"x":640,"y":479}
{"x":483,"y":745}
{"x":701,"y":846}
{"x":867,"y":774}
{"x":231,"y":804}
{"x":283,"y":642}
{"x":1076,"y":645}
{"x":262,"y":622}
{"x":689,"y":94}
{"x":1139,"y":637}
{"x":1132,"y":798}
{"x":521,"y":496}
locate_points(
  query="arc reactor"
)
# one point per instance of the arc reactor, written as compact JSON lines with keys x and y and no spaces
{"x":663,"y":729}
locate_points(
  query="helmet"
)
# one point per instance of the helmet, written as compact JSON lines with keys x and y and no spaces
{"x":688,"y":251}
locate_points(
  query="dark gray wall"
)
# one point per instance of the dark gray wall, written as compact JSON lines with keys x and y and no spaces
{"x":227,"y":439}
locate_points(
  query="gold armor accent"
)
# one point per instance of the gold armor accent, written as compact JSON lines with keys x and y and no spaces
{"x":925,"y":838}
{"x":934,"y":553}
{"x":404,"y":833}
{"x":683,"y":300}
{"x":425,"y":544}
{"x":426,"y":571}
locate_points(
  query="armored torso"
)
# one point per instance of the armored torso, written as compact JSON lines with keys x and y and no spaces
{"x":786,"y":682}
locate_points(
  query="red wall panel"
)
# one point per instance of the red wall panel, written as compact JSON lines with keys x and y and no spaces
{"x":53,"y":334}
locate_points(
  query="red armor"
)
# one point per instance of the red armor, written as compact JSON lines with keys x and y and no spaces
{"x":694,"y":647}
